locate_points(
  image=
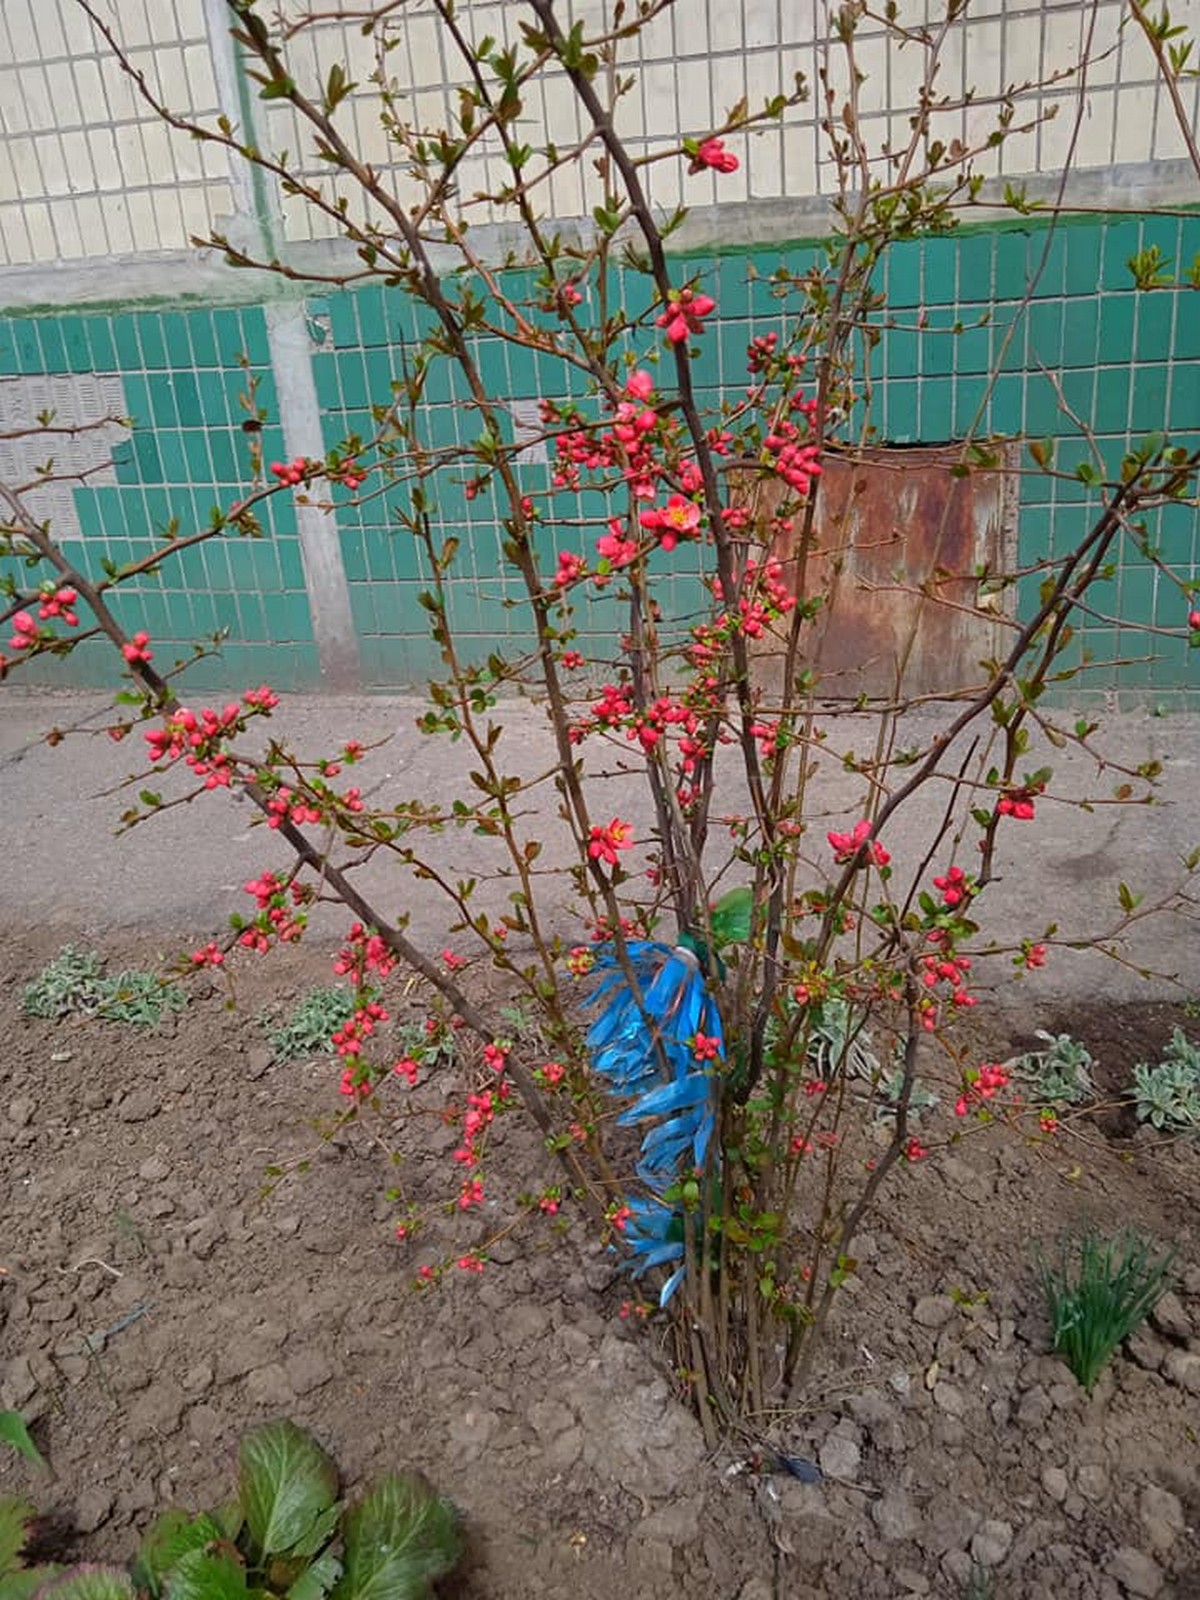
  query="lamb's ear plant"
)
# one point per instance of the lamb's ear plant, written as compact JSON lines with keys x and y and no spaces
{"x":1098,"y":1292}
{"x":1058,"y":1074}
{"x":75,"y":984}
{"x":287,"y":1534}
{"x":1168,"y":1095}
{"x":313,"y":1020}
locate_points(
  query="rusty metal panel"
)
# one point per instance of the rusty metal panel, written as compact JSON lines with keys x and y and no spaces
{"x":899,"y":543}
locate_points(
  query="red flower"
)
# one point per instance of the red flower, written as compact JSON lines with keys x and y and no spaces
{"x":851,"y":846}
{"x":712,"y":153}
{"x":24,"y":631}
{"x":496,"y":1056}
{"x":570,"y":569}
{"x":955,"y":886}
{"x":639,"y":384}
{"x":614,"y":548}
{"x":1194,"y":621}
{"x":1018,"y":804}
{"x":580,"y":961}
{"x":135,"y":650}
{"x":685,"y":314}
{"x":678,"y":519}
{"x":605,"y":842}
{"x":290,"y":472}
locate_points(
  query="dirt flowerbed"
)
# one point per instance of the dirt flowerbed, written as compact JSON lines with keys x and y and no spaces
{"x":184,"y":1255}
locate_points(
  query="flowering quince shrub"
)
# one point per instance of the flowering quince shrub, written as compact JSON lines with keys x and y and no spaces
{"x":673,"y":1074}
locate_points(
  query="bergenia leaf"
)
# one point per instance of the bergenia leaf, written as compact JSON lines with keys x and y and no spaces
{"x":285,"y":1481}
{"x":317,"y":1579}
{"x":398,"y":1540}
{"x":207,"y":1575}
{"x":24,"y":1582}
{"x":89,"y":1582}
{"x":319,"y":1533}
{"x":15,"y":1517}
{"x":170,"y":1538}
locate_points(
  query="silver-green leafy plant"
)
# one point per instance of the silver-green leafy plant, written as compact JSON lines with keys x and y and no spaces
{"x":287,"y":1534}
{"x":314,"y":1019}
{"x":72,"y":983}
{"x":840,"y":1043}
{"x":1168,"y":1095}
{"x":891,"y":1092}
{"x":1098,"y":1292}
{"x":75,"y":984}
{"x":1058,"y":1074}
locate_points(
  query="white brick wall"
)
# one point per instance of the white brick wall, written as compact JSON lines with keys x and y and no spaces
{"x":86,"y":170}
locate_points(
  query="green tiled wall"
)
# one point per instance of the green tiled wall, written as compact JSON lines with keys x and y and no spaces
{"x":1055,"y":315}
{"x":186,"y":454}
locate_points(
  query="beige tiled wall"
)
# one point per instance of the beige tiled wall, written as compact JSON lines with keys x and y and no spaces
{"x":86,"y":170}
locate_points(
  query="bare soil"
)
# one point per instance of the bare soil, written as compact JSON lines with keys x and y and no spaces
{"x":185,"y":1253}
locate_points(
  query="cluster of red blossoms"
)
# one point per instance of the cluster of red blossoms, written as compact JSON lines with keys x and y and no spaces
{"x":197,"y":736}
{"x":134,"y":650}
{"x":59,"y":602}
{"x":982,"y":1085}
{"x":362,"y":953}
{"x":479,"y":1116}
{"x":956,"y":888}
{"x":797,"y":458}
{"x":685,"y":315}
{"x":1019,"y":803}
{"x":286,"y":806}
{"x":56,"y":602}
{"x":277,"y":919}
{"x":291,"y":472}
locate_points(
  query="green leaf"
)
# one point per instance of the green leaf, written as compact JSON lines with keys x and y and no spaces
{"x":25,"y":1582}
{"x":1129,"y":900}
{"x":14,"y":1432}
{"x":89,"y":1582}
{"x":319,"y":1533}
{"x":398,"y":1540}
{"x":207,"y":1575}
{"x":731,"y":917}
{"x":170,"y":1537}
{"x":15,"y":1517}
{"x":317,"y":1579}
{"x":286,"y":1481}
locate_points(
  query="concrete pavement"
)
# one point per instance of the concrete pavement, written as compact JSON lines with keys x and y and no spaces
{"x":179,"y":875}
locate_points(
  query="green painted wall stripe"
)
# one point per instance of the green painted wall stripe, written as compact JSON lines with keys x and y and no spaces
{"x":1120,"y":356}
